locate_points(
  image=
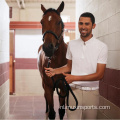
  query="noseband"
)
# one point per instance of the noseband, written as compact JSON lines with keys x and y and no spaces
{"x":51,"y":32}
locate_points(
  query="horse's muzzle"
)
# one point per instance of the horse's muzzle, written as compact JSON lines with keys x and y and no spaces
{"x":49,"y":51}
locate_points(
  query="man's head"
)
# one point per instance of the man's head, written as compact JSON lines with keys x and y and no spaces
{"x":90,"y":15}
{"x":86,"y":24}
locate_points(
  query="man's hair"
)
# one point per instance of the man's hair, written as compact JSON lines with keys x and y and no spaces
{"x":90,"y":15}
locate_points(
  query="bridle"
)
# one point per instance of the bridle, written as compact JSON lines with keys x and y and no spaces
{"x":51,"y":32}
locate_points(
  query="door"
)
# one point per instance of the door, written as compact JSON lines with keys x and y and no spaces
{"x":12,"y":63}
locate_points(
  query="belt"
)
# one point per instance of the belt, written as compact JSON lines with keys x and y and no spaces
{"x":84,"y":88}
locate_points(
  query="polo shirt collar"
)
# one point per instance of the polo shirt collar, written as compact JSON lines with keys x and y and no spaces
{"x":88,"y":41}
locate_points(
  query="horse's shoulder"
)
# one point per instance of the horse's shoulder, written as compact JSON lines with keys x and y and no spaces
{"x":39,"y":48}
{"x":41,"y":55}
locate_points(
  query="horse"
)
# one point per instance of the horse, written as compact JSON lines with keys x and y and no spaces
{"x":55,"y":48}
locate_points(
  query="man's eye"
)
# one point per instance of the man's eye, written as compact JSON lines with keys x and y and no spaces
{"x":86,"y":23}
{"x":80,"y":23}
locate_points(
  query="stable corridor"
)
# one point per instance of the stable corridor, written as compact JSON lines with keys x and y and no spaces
{"x":29,"y":107}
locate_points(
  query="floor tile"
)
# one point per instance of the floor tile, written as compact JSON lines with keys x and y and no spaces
{"x":30,"y":107}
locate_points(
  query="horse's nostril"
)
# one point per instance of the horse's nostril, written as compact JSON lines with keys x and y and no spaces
{"x":50,"y":46}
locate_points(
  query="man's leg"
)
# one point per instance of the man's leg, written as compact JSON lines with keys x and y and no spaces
{"x":91,"y":103}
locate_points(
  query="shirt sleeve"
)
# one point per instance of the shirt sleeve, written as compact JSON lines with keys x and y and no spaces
{"x":102,"y":58}
{"x":69,"y":54}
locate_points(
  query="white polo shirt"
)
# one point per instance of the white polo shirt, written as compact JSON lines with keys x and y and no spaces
{"x":85,"y":56}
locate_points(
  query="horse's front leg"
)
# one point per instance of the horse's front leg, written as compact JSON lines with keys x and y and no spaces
{"x":61,"y":109}
{"x":46,"y":108}
{"x":49,"y":98}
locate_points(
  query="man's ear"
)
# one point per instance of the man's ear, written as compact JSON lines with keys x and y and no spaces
{"x":94,"y":25}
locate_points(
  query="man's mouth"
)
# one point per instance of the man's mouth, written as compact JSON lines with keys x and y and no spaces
{"x":83,"y":31}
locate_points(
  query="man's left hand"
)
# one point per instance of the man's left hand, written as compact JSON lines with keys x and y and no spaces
{"x":69,"y":78}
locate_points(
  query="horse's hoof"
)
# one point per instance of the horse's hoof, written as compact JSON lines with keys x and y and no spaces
{"x":61,"y":113}
{"x":52,"y":115}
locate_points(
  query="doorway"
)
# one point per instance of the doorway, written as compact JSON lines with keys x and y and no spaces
{"x":12,"y":62}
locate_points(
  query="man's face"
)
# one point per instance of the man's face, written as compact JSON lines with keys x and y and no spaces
{"x":85,"y":26}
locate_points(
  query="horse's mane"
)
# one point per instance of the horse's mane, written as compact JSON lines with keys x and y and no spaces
{"x":51,"y":9}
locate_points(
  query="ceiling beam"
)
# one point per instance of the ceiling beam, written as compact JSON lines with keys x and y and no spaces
{"x":18,"y":2}
{"x":36,"y":25}
{"x":21,"y":4}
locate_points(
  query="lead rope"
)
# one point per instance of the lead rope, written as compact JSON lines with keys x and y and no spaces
{"x":66,"y":87}
{"x":49,"y":61}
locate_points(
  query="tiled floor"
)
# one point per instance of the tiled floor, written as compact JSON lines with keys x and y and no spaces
{"x":29,"y":107}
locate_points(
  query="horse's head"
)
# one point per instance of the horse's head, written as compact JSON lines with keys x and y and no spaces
{"x":52,"y":29}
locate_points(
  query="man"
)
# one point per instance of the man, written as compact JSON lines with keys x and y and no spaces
{"x":87,"y":58}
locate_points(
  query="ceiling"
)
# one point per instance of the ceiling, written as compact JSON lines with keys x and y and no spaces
{"x":21,"y":3}
{"x":40,"y":0}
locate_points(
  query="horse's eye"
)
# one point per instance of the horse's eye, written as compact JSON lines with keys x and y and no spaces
{"x":59,"y":22}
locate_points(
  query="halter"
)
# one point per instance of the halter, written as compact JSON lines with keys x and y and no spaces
{"x":51,"y":32}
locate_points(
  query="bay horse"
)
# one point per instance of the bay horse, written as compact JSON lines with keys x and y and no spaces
{"x":55,"y":48}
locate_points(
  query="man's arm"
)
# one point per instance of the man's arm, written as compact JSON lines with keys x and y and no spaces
{"x":67,"y":68}
{"x":91,"y":77}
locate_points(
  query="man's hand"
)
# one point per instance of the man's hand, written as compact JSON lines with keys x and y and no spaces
{"x":49,"y":72}
{"x":69,"y":78}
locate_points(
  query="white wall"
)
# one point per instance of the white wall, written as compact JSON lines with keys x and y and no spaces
{"x":4,"y":32}
{"x":27,"y":43}
{"x":4,"y":59}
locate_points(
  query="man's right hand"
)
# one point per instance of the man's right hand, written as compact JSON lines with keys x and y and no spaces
{"x":50,"y":72}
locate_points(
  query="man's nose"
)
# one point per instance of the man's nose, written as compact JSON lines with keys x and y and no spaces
{"x":83,"y":26}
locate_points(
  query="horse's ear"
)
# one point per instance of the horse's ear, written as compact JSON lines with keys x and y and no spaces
{"x":43,"y":8}
{"x":61,"y":7}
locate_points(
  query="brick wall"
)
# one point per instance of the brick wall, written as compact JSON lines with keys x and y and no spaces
{"x":107,"y":14}
{"x":4,"y":59}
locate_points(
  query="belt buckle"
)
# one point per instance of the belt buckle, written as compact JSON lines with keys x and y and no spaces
{"x":86,"y":88}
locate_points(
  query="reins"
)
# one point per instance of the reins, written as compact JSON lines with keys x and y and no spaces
{"x":67,"y":88}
